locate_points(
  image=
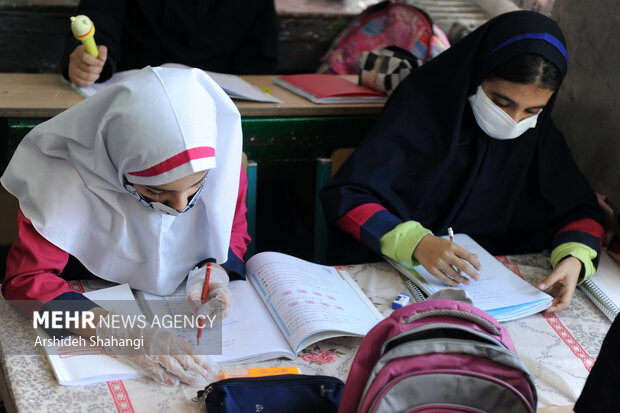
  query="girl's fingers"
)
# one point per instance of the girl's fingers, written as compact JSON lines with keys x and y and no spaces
{"x":441,"y":276}
{"x":455,"y":275}
{"x":469,"y":257}
{"x":464,"y":268}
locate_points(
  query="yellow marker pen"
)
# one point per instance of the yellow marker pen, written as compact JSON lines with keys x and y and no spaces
{"x":84,"y":30}
{"x":232,"y":372}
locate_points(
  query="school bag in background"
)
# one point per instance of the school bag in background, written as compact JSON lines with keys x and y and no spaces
{"x":438,"y":355}
{"x":389,"y":23}
{"x":383,"y":69}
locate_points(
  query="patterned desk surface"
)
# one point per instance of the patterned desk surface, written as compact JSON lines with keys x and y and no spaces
{"x":559,"y":350}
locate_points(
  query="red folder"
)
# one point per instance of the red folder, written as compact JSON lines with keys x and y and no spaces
{"x":327,"y":88}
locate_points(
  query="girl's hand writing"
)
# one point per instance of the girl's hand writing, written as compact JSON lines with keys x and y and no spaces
{"x":446,"y":260}
{"x":218,"y":297}
{"x":160,"y":354}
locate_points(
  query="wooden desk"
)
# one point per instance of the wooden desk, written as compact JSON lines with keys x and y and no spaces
{"x":24,"y":95}
{"x":35,"y":95}
{"x":284,"y":139}
{"x":558,"y":350}
{"x":295,"y":129}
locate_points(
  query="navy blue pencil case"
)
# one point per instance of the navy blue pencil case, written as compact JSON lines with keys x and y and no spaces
{"x":298,"y":393}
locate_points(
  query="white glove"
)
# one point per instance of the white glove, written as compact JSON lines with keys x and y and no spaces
{"x":218,"y":297}
{"x":164,"y":356}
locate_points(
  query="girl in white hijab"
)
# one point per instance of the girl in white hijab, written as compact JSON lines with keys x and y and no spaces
{"x":139,"y":183}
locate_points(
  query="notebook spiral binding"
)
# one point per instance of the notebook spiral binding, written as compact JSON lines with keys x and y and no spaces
{"x":600,"y":299}
{"x":416,"y":293}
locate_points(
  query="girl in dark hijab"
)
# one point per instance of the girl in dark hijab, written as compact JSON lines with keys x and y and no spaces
{"x":467,"y":142}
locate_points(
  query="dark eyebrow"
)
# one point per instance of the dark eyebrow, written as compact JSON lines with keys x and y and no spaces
{"x":154,"y":188}
{"x":499,"y":95}
{"x":536,"y":107}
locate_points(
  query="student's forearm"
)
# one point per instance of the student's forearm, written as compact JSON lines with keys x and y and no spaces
{"x":400,"y":242}
{"x":368,"y":223}
{"x":581,"y":252}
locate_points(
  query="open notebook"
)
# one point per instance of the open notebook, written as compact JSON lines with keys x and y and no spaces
{"x":603,"y":288}
{"x":286,"y":305}
{"x":77,"y":365}
{"x":499,"y":291}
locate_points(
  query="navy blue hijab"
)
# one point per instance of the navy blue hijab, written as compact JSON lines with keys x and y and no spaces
{"x":427,"y":160}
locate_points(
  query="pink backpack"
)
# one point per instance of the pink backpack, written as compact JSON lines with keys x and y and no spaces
{"x":438,"y":356}
{"x":389,"y":23}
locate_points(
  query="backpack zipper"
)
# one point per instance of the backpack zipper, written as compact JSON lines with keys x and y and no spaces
{"x":492,"y":379}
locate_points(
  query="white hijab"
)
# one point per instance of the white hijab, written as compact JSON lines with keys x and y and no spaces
{"x":155,"y":127}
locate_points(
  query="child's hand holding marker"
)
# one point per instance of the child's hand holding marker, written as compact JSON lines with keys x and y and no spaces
{"x":87,"y":60}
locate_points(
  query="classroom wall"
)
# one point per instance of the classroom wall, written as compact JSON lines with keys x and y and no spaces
{"x":586,"y":109}
{"x":32,"y":35}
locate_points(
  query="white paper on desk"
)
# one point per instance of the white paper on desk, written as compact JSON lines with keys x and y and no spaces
{"x":499,"y":292}
{"x":87,"y":91}
{"x":234,"y":86}
{"x":237,"y":88}
{"x":73,"y":368}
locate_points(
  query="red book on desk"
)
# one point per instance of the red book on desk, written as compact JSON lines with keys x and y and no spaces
{"x":324,"y":88}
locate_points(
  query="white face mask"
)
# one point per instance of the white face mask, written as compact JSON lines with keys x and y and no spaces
{"x":494,"y":121}
{"x":158,"y":206}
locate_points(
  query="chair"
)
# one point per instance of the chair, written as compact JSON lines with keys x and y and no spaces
{"x":250,"y":168}
{"x":326,"y":168}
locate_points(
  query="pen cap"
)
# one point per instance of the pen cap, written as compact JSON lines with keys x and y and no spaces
{"x":82,"y":26}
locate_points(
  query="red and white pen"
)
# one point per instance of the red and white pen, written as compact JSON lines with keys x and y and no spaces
{"x":451,"y":235}
{"x":203,"y":299}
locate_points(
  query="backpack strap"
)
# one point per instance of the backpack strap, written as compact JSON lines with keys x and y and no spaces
{"x":448,"y":312}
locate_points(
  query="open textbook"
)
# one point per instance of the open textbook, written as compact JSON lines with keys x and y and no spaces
{"x":499,"y":291}
{"x":285,"y":305}
{"x":75,"y":365}
{"x":233,"y":85}
{"x":603,"y":288}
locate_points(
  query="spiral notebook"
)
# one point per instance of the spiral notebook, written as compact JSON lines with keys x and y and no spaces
{"x":603,"y":288}
{"x":416,"y":294}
